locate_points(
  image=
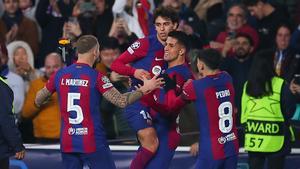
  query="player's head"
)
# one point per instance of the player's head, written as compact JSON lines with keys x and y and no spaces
{"x":176,"y":48}
{"x":208,"y":60}
{"x":88,"y":46}
{"x":53,"y":62}
{"x":165,"y":20}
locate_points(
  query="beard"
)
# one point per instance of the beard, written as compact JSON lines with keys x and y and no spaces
{"x":241,"y":53}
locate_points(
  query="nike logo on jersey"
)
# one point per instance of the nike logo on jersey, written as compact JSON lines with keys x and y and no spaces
{"x":158,"y":59}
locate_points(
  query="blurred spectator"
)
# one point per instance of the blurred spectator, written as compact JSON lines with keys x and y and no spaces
{"x":91,"y":16}
{"x":28,"y":8}
{"x":295,"y":39}
{"x":287,"y":60}
{"x":189,"y":23}
{"x":15,"y":82}
{"x":236,"y":23}
{"x":21,"y":61}
{"x":46,"y":119}
{"x":201,"y":7}
{"x":268,"y":103}
{"x":268,"y":19}
{"x":15,"y":26}
{"x":51,"y":15}
{"x":129,"y":10}
{"x":121,"y":31}
{"x":109,"y":51}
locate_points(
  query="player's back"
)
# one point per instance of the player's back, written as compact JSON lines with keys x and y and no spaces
{"x":79,"y":99}
{"x":215,"y":109}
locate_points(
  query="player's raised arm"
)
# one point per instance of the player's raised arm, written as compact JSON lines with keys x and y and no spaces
{"x":134,"y":52}
{"x":122,"y":100}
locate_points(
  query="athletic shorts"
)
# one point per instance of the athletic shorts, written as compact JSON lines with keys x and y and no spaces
{"x":100,"y":159}
{"x":138,"y":116}
{"x":226,"y":163}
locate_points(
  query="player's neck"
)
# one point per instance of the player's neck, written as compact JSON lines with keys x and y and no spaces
{"x":175,"y":63}
{"x":211,"y":72}
{"x":85,"y":61}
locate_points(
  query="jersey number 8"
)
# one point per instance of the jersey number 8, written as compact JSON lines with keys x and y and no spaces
{"x":225,"y":117}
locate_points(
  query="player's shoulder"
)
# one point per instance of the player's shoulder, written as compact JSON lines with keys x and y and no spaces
{"x":139,"y":45}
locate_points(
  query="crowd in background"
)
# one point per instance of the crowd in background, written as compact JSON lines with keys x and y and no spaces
{"x":30,"y":31}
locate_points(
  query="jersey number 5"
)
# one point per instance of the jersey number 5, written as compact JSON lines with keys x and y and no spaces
{"x":225,"y":121}
{"x":72,"y":107}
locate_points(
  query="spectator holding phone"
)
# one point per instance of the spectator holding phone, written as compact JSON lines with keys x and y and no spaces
{"x":236,"y":23}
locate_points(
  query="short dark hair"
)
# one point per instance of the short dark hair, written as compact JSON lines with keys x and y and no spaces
{"x":252,"y":2}
{"x":85,"y":43}
{"x":247,"y":36}
{"x":211,"y":58}
{"x":166,"y":12}
{"x":181,"y":38}
{"x":110,"y":43}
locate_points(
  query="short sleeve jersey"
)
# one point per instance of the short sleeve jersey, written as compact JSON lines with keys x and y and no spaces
{"x":214,"y":103}
{"x":80,"y":89}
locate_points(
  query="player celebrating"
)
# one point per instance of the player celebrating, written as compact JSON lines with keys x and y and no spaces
{"x":80,"y":89}
{"x":213,"y":95}
{"x":145,"y":57}
{"x":166,"y":124}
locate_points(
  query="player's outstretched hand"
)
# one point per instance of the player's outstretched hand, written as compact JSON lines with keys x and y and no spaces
{"x":151,"y":84}
{"x":141,"y":73}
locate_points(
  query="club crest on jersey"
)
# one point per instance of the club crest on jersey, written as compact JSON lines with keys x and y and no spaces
{"x":228,"y":137}
{"x":71,"y":131}
{"x":156,"y":70}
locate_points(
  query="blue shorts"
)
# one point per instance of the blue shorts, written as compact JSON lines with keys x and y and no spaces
{"x":226,"y":163}
{"x":138,"y":116}
{"x":99,"y":159}
{"x":162,"y":159}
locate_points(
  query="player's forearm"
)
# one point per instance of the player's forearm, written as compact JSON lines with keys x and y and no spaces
{"x":41,"y":96}
{"x":122,"y":100}
{"x":122,"y":69}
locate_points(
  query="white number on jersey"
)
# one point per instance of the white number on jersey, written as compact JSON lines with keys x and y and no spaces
{"x":72,"y":107}
{"x":225,"y":117}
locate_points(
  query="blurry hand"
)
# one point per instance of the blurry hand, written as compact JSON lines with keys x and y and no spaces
{"x":194,"y":149}
{"x":295,"y":88}
{"x":141,"y":73}
{"x":216,"y":45}
{"x":12,"y":33}
{"x":114,"y":77}
{"x":150,"y":85}
{"x":20,"y":155}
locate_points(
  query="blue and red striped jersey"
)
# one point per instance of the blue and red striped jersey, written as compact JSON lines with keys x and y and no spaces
{"x":214,"y":103}
{"x":146,"y":53}
{"x":80,"y":90}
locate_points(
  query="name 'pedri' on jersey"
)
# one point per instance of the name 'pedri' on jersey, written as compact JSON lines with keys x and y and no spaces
{"x":80,"y":90}
{"x":214,"y":103}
